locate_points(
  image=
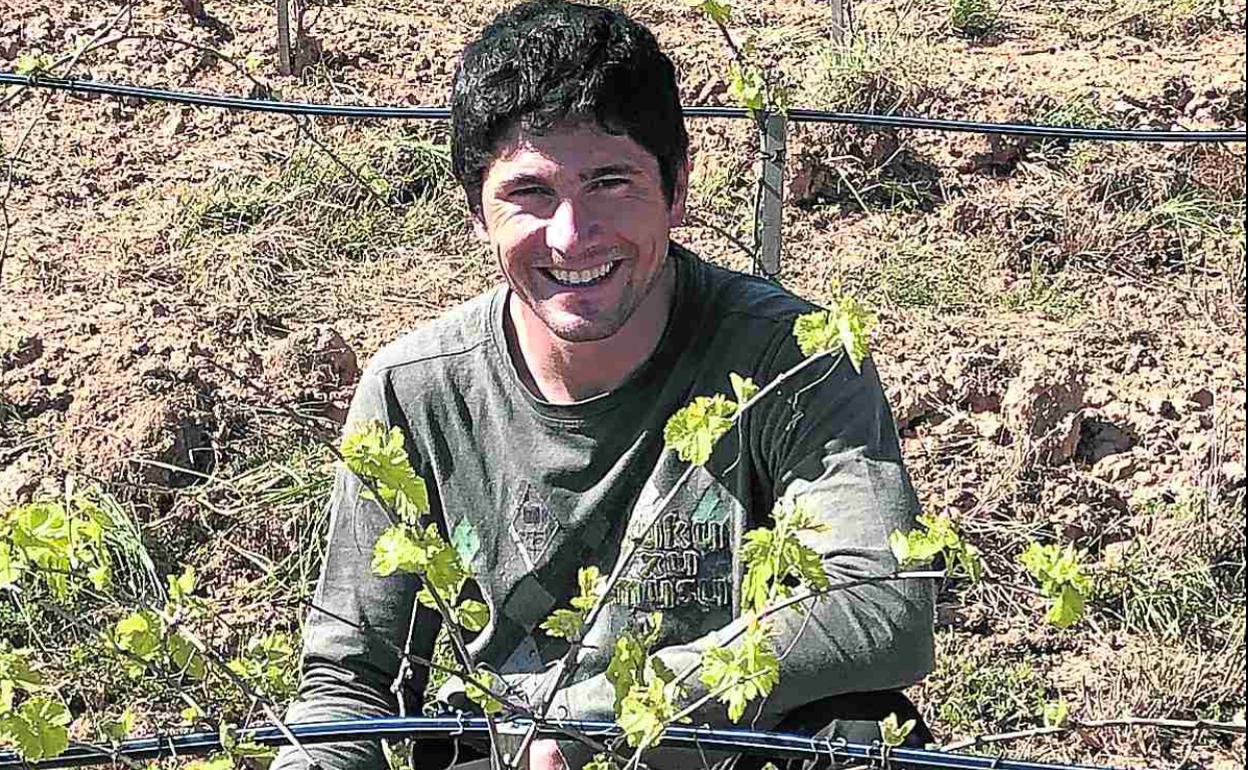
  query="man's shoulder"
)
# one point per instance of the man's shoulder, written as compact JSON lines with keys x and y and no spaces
{"x":460,"y":332}
{"x":733,"y":296}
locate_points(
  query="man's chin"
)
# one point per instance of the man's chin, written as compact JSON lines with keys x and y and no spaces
{"x":570,"y":327}
{"x":584,"y":331}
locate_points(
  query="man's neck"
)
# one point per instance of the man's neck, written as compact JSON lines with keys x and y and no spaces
{"x":563,"y":372}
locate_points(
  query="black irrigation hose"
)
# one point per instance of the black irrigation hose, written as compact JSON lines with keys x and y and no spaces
{"x":763,"y":744}
{"x":443,"y":113}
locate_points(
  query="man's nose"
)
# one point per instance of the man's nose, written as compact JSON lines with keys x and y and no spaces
{"x":570,"y":227}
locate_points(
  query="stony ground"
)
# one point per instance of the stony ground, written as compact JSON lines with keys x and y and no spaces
{"x":1061,"y":323}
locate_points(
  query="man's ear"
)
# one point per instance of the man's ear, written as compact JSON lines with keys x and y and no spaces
{"x":680,"y":194}
{"x":479,"y":229}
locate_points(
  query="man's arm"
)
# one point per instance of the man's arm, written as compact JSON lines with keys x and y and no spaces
{"x":350,"y":657}
{"x":843,"y":461}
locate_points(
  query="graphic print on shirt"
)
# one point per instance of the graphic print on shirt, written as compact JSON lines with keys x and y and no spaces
{"x":685,"y":559}
{"x":533,"y":527}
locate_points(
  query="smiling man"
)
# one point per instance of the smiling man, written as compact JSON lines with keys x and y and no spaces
{"x":535,"y":413}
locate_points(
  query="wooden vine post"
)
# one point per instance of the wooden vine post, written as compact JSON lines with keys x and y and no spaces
{"x":284,"y":58}
{"x":838,"y":20}
{"x":770,"y":214}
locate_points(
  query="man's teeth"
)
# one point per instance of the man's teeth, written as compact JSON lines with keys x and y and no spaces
{"x":581,"y":276}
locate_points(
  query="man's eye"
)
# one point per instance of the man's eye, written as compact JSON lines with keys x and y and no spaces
{"x":529,"y":192}
{"x":610,"y":182}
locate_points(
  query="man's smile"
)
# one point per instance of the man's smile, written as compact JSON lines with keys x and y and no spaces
{"x":589,"y":277}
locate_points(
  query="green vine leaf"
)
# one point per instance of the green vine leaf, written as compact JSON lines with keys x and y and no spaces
{"x":138,"y":634}
{"x":372,"y":452}
{"x":894,"y":734}
{"x":268,"y":665}
{"x":16,"y":674}
{"x":488,"y":703}
{"x":569,"y":624}
{"x":936,"y":535}
{"x":184,"y":656}
{"x":116,"y":730}
{"x":648,"y":708}
{"x":693,"y":430}
{"x":847,"y":325}
{"x":56,"y":544}
{"x":774,"y":555}
{"x":747,"y":86}
{"x":472,"y":614}
{"x":743,"y":388}
{"x":39,"y":728}
{"x":740,"y":675}
{"x":717,"y":10}
{"x":1055,"y":713}
{"x":32,"y":64}
{"x":1061,"y":578}
{"x":602,"y":762}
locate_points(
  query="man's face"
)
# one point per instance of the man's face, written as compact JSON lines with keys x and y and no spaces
{"x":580,"y":224}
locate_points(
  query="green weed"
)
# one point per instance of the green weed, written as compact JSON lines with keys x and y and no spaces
{"x":1055,"y":295}
{"x":974,"y":18}
{"x":722,"y":189}
{"x":917,"y":276}
{"x":254,"y":239}
{"x":977,"y":692}
{"x":868,"y":72}
{"x":1074,"y":111}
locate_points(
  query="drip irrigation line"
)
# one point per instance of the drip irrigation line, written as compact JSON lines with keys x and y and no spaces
{"x":443,"y":113}
{"x":764,"y":744}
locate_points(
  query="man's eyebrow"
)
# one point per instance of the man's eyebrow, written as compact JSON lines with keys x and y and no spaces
{"x":522,"y":180}
{"x":613,"y":169}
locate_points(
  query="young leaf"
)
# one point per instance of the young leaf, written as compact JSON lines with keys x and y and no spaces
{"x":564,"y":624}
{"x":602,"y":762}
{"x":472,"y":614}
{"x":138,"y":634}
{"x":893,"y":734}
{"x":32,"y":64}
{"x":717,"y":10}
{"x":815,"y":332}
{"x":847,"y":325}
{"x":747,"y":86}
{"x":116,"y":730}
{"x":396,"y":550}
{"x":11,"y":565}
{"x":488,"y":703}
{"x":1061,"y":579}
{"x":39,"y":728}
{"x":626,"y":666}
{"x":693,"y":430}
{"x":645,"y":711}
{"x":743,"y":388}
{"x":1055,"y":713}
{"x":374,"y":453}
{"x":772,"y":556}
{"x":739,"y":675}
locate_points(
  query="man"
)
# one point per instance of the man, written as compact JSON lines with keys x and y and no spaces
{"x":535,"y":413}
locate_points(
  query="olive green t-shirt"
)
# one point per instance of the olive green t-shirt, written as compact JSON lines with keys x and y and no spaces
{"x":529,"y":492}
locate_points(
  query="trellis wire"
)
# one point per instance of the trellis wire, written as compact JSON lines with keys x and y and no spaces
{"x":443,"y":113}
{"x":765,"y":744}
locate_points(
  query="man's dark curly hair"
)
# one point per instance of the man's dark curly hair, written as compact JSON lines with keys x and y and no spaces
{"x":546,"y":63}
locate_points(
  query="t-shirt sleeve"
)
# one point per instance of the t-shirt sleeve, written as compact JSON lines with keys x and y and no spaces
{"x":358,"y":622}
{"x":841,"y":459}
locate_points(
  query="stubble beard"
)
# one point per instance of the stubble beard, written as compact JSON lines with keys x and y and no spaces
{"x":607,"y":324}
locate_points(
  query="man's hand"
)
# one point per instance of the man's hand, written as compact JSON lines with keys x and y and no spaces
{"x":544,"y":754}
